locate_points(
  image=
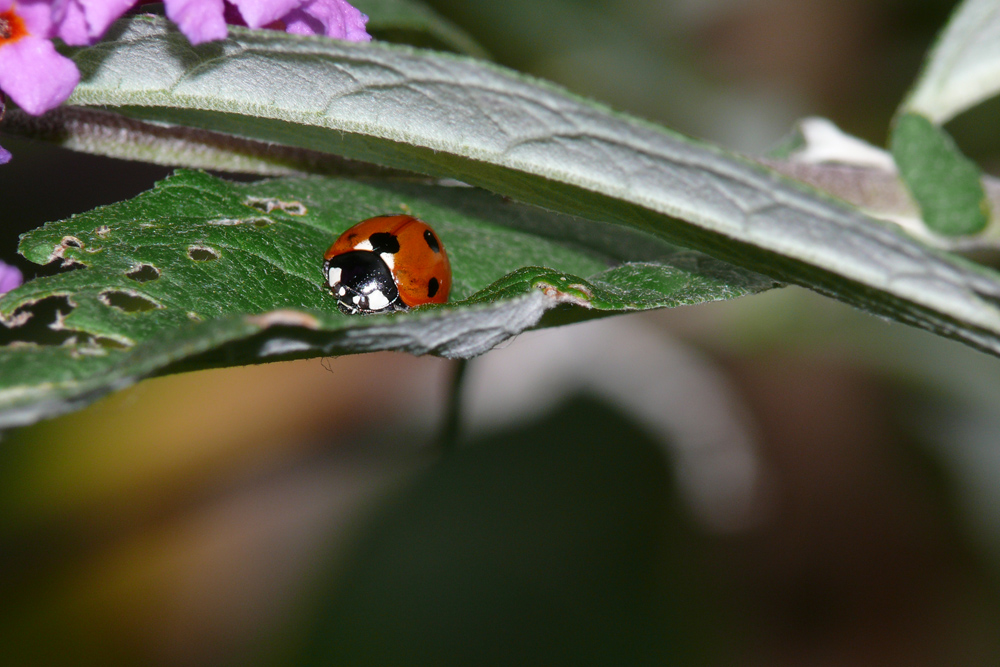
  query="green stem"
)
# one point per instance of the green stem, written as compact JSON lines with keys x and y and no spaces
{"x":448,"y":439}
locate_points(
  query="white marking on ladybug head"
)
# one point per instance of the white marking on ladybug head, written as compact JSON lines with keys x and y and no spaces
{"x":342,"y":291}
{"x":334,"y":276}
{"x":356,"y":298}
{"x":377,"y":300}
{"x":364,"y":245}
{"x":387,"y":258}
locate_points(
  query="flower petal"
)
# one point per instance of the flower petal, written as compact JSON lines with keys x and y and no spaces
{"x":4,"y":155}
{"x":199,"y":20}
{"x":333,"y":18}
{"x":36,"y":14}
{"x":71,"y":23}
{"x":81,"y":22}
{"x":258,"y":13}
{"x":10,"y":277}
{"x":35,"y":76}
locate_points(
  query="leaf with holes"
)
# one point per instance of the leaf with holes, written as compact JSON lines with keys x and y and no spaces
{"x":200,"y":272}
{"x":456,"y":117}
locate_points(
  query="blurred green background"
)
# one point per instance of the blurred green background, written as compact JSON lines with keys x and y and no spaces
{"x":779,"y":480}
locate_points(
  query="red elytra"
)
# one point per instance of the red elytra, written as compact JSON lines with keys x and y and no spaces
{"x":412,"y":252}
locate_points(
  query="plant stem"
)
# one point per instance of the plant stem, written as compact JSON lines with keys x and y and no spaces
{"x":448,"y":438}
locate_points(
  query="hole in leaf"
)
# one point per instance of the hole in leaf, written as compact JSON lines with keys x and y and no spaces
{"x":202,"y":254}
{"x":144,"y":273}
{"x":39,"y":322}
{"x":88,"y":345}
{"x":57,"y":268}
{"x":129,"y":302}
{"x":109,"y":343}
{"x":44,"y":323}
{"x":268,"y":204}
{"x":59,"y":251}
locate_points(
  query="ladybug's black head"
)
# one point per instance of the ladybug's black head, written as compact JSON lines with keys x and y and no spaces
{"x":362,"y":283}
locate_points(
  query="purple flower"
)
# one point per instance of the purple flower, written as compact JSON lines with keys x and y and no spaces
{"x":10,"y":277}
{"x":259,"y":13}
{"x":199,"y":20}
{"x":82,"y":22}
{"x":205,"y":20}
{"x":37,"y":78}
{"x":31,"y":72}
{"x":333,"y":18}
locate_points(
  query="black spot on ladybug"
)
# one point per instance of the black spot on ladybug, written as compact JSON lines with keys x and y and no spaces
{"x":384,"y":242}
{"x":432,"y":242}
{"x":432,"y":288}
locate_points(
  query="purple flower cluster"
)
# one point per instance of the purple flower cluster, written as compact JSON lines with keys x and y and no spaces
{"x":205,"y":20}
{"x":37,"y":78}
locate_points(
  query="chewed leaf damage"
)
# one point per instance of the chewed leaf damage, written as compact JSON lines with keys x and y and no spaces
{"x":128,"y":301}
{"x":170,"y":281}
{"x":44,"y":323}
{"x":59,"y":251}
{"x":144,"y":273}
{"x":203,"y":253}
{"x":269,"y":204}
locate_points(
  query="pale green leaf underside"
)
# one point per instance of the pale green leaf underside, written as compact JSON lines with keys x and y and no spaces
{"x":452,"y":116}
{"x":200,"y":272}
{"x":963,"y":68}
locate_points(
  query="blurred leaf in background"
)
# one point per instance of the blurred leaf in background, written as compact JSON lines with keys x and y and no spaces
{"x":558,"y":542}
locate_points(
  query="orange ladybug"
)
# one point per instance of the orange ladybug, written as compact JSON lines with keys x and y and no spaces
{"x":387,"y":263}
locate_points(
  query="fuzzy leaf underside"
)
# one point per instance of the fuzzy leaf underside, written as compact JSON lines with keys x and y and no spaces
{"x":200,"y":272}
{"x":456,"y":117}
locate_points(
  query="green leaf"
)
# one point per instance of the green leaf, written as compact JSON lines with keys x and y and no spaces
{"x":945,"y":183}
{"x":201,"y":272}
{"x":413,"y":22}
{"x":455,"y":117}
{"x":963,"y":68}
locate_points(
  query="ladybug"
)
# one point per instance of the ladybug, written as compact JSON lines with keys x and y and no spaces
{"x":387,"y":263}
